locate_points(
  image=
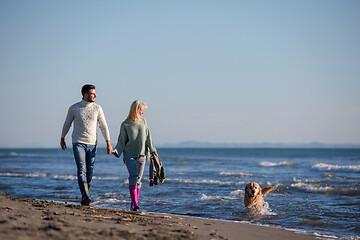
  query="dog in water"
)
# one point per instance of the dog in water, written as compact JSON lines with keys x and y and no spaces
{"x":253,"y":198}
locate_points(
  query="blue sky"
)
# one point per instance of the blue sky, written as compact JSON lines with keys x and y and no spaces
{"x":216,"y":71}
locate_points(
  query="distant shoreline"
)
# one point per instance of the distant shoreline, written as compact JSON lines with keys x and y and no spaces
{"x":316,"y":145}
{"x":210,"y":145}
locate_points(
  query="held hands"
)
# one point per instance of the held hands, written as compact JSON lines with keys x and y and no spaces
{"x":109,"y":151}
{"x":109,"y":148}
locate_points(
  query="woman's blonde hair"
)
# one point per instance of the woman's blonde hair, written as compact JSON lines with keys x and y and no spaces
{"x":135,"y":108}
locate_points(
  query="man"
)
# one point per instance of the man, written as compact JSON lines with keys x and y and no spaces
{"x":85,"y":115}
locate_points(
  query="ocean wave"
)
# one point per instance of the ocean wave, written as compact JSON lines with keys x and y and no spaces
{"x":65,"y":177}
{"x":210,"y":182}
{"x":109,"y":199}
{"x":35,"y":174}
{"x":13,"y":154}
{"x":312,"y":187}
{"x":46,"y":155}
{"x":74,"y":177}
{"x":107,"y":202}
{"x":233,"y":195}
{"x":204,"y":197}
{"x":329,"y":167}
{"x":326,"y":236}
{"x":189,"y":159}
{"x":232,"y":174}
{"x":330,"y":175}
{"x":279,"y":164}
{"x":237,"y":192}
{"x":10,"y":155}
{"x":107,"y":178}
{"x":308,"y":181}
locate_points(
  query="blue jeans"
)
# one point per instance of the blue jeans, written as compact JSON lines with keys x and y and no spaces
{"x":135,"y":168}
{"x":84,"y":155}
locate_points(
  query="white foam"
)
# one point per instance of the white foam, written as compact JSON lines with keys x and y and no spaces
{"x":107,"y":178}
{"x":306,"y":180}
{"x":108,"y":202}
{"x":263,"y":210}
{"x":13,"y":154}
{"x":311,"y":187}
{"x":215,"y":198}
{"x":11,"y":174}
{"x":237,"y":192}
{"x":323,"y":236}
{"x":210,"y":182}
{"x":237,"y":174}
{"x":24,"y":174}
{"x":112,"y":200}
{"x":109,"y":194}
{"x":329,"y":167}
{"x":279,"y":164}
{"x":65,"y":177}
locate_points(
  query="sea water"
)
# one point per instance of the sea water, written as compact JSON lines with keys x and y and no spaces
{"x":317,"y":191}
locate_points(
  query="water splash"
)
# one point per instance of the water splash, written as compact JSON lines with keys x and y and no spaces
{"x":256,"y":212}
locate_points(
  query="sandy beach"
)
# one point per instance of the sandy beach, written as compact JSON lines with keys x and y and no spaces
{"x":23,"y":218}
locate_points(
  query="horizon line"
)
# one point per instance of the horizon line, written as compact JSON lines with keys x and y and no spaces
{"x":203,"y":144}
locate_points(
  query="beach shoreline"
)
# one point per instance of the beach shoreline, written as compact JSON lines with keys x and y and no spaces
{"x":23,"y":218}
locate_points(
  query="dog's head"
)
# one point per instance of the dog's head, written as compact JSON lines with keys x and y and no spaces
{"x":252,"y":189}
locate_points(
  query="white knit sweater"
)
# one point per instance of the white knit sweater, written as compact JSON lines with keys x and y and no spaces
{"x":85,"y":116}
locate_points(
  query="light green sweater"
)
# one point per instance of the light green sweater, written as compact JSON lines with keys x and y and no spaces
{"x":134,"y":140}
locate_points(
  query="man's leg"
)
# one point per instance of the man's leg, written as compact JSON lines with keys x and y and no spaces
{"x":90,"y":162}
{"x":79,"y":155}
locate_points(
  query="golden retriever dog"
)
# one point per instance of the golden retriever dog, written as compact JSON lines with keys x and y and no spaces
{"x":253,"y":198}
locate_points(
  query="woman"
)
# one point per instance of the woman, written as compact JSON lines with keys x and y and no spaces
{"x":135,"y":144}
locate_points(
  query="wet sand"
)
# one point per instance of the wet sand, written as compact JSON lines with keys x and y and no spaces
{"x":22,"y":218}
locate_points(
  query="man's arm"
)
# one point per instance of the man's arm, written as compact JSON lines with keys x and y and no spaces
{"x":62,"y":143}
{"x":67,"y":124}
{"x":105,"y":131}
{"x":109,"y":148}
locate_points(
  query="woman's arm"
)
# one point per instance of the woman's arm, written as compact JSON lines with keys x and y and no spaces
{"x":149,"y":143}
{"x":122,"y":140}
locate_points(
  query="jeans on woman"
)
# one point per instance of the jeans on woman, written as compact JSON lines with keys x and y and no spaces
{"x":85,"y":158}
{"x":135,"y":168}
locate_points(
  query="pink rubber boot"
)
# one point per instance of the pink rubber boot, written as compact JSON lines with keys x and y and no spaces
{"x":133,"y":194}
{"x":137,"y":195}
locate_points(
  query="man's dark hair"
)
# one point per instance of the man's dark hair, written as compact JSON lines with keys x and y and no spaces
{"x":86,"y":88}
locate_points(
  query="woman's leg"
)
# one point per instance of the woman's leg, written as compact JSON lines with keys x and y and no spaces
{"x":140,"y":164}
{"x":132,"y":169}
